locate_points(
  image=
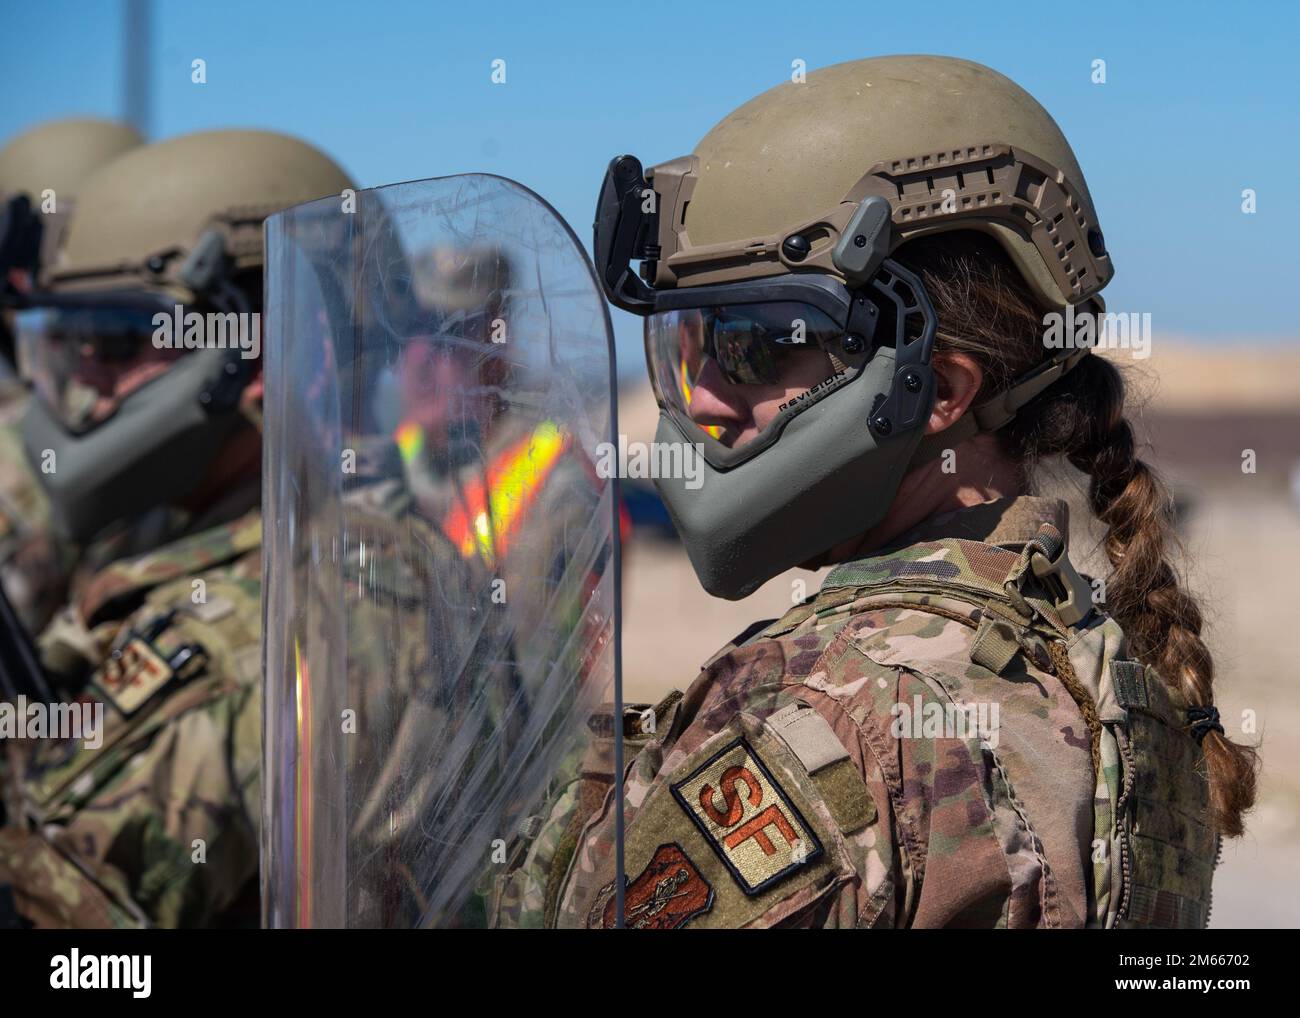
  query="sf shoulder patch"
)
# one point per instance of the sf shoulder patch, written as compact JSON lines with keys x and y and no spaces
{"x":747,"y":818}
{"x":132,"y":675}
{"x":668,"y":894}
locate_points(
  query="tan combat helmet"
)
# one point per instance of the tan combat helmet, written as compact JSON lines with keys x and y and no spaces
{"x":950,"y":144}
{"x":59,"y":155}
{"x":177,"y":221}
{"x":160,"y":217}
{"x":781,"y":229}
{"x":47,"y":164}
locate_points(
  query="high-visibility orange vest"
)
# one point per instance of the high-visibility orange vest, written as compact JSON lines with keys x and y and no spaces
{"x":487,"y":518}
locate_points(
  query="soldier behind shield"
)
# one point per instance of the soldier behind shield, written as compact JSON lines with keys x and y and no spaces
{"x":41,"y":171}
{"x":154,"y":821}
{"x":463,"y":634}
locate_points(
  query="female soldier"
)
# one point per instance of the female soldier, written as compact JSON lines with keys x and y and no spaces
{"x":855,"y":293}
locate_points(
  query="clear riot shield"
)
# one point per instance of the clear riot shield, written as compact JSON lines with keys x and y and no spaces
{"x":440,"y":559}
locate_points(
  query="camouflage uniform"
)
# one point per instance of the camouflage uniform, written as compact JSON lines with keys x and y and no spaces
{"x":806,"y":778}
{"x":35,"y":563}
{"x":158,"y":826}
{"x":56,"y":156}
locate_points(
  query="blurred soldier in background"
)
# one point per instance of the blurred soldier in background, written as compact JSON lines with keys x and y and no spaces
{"x":484,"y":473}
{"x":451,"y":598}
{"x":161,"y":428}
{"x":507,"y":489}
{"x":41,"y":171}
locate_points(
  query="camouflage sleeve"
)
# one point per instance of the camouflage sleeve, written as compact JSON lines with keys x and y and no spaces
{"x":41,"y":887}
{"x":155,"y":821}
{"x":525,"y":894}
{"x":788,"y":794}
{"x":34,"y":563}
{"x":753,"y":815}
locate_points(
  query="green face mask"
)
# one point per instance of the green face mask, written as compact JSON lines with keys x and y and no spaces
{"x":824,"y":461}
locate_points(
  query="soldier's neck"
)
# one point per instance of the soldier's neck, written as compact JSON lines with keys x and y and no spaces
{"x":976,"y":472}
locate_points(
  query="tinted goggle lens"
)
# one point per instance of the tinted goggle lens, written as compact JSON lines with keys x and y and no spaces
{"x":754,"y":344}
{"x":772,"y":344}
{"x":78,"y":358}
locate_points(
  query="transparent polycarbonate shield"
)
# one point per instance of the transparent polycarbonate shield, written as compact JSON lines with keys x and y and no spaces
{"x":441,"y":555}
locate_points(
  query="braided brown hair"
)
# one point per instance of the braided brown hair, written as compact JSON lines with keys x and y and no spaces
{"x":986,"y":311}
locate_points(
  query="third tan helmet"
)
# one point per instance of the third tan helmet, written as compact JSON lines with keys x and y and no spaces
{"x":41,"y":171}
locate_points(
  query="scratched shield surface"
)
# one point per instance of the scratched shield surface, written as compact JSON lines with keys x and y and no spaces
{"x":440,"y":558}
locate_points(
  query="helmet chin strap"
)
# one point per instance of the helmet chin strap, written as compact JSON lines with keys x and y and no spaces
{"x":999,"y":411}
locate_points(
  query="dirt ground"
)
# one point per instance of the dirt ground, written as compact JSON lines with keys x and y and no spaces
{"x":1248,"y":554}
{"x":1242,"y":534}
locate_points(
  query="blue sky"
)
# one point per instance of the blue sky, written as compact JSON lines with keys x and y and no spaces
{"x":1200,"y":102}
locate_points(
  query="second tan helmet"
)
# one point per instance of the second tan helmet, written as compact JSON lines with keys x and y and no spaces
{"x":145,"y":216}
{"x":48,"y":164}
{"x":41,"y":171}
{"x":57,"y":156}
{"x":176,"y":222}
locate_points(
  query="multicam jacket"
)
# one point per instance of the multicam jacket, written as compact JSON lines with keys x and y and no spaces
{"x":948,"y":734}
{"x":158,"y":825}
{"x":35,"y":564}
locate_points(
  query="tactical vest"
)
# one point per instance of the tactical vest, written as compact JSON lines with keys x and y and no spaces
{"x":151,"y":652}
{"x":1154,"y":852}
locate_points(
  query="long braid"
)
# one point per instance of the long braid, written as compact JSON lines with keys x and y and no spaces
{"x":1082,"y":418}
{"x":985,"y":310}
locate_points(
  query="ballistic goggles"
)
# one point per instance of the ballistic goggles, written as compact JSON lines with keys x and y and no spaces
{"x":797,"y":336}
{"x":85,"y":358}
{"x":791,"y":342}
{"x":821,"y":291}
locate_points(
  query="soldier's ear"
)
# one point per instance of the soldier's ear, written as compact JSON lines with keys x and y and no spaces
{"x":958,"y":378}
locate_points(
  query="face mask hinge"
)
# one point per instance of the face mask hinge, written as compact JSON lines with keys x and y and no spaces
{"x":205,"y":265}
{"x":627,"y":230}
{"x":911,"y":396}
